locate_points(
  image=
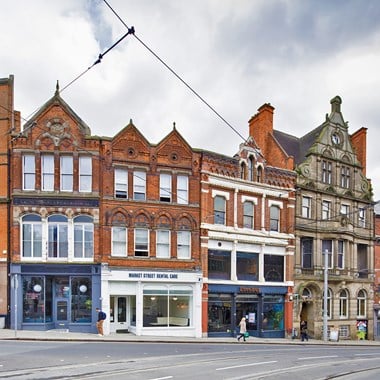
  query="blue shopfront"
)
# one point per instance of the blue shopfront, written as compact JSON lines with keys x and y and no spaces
{"x":263,"y":307}
{"x":54,"y":296}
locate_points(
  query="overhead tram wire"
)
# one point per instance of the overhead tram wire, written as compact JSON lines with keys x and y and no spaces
{"x":178,"y":76}
{"x":100,"y":57}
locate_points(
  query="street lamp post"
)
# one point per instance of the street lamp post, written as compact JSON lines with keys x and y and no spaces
{"x":325,"y":291}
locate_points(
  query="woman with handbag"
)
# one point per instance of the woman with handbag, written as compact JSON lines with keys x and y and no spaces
{"x":243,"y":329}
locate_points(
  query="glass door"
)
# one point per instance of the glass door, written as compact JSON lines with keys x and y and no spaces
{"x":118,"y":314}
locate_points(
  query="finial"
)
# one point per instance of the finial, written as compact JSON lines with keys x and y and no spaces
{"x":173,"y":124}
{"x":57,"y":88}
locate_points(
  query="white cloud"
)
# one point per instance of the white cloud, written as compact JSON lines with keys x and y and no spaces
{"x":237,"y":55}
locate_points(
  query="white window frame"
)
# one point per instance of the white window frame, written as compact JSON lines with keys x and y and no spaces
{"x":184,"y":244}
{"x":249,"y":216}
{"x":144,"y":241}
{"x":121,"y":183}
{"x":182,"y":189}
{"x":326,"y":210}
{"x":28,"y":172}
{"x":272,"y":218}
{"x":119,"y":241}
{"x":83,"y":227}
{"x":361,"y":217}
{"x":361,"y":304}
{"x":344,"y":209}
{"x":343,"y":304}
{"x":35,"y":237}
{"x":306,"y":207}
{"x":66,"y":173}
{"x":85,"y":174}
{"x":47,"y":172}
{"x":163,"y":244}
{"x":62,"y":246}
{"x":165,"y":187}
{"x":139,"y":185}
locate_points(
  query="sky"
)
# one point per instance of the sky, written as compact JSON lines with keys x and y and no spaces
{"x":236,"y":54}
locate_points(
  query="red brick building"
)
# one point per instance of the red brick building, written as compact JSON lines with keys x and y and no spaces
{"x":100,"y":221}
{"x":247,"y":240}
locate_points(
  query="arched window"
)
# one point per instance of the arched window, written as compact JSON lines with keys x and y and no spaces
{"x":57,"y":236}
{"x":343,"y":304}
{"x":243,"y":168}
{"x":83,"y":237}
{"x":259,"y":174}
{"x":329,"y":304}
{"x":31,"y":236}
{"x":362,"y":304}
{"x":251,"y":167}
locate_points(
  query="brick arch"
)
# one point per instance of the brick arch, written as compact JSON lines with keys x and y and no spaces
{"x":119,"y":217}
{"x":141,"y":218}
{"x":185,"y":221}
{"x":163,"y":219}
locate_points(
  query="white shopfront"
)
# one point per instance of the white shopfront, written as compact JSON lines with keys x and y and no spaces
{"x":155,"y":303}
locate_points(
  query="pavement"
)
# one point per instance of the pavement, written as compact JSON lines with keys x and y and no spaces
{"x":64,"y":335}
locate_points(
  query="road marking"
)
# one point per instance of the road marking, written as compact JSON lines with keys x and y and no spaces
{"x":318,"y":357}
{"x":245,"y":365}
{"x":162,"y":378}
{"x":367,"y":354}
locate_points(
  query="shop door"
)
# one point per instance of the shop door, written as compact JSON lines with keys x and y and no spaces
{"x":61,"y":313}
{"x":219,"y":315}
{"x":118,"y":314}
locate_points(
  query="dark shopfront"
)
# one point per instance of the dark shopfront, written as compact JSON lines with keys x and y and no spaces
{"x":263,"y":306}
{"x":54,"y":296}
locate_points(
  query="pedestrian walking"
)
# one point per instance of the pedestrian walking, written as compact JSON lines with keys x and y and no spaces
{"x":99,"y":324}
{"x":242,"y":329}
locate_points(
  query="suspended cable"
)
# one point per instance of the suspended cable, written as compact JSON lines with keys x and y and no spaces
{"x":178,"y":76}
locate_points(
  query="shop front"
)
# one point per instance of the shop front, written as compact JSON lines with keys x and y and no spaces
{"x":156,"y":303}
{"x":45,"y":297}
{"x":262,"y":306}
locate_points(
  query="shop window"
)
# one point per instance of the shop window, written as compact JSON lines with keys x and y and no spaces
{"x":183,"y":244}
{"x":33,"y":296}
{"x":219,"y":264}
{"x":57,"y":236}
{"x":247,"y":266}
{"x":307,"y":252}
{"x":165,"y":187}
{"x":81,"y":300}
{"x":141,"y":242}
{"x":361,"y":306}
{"x":139,"y":185}
{"x":167,"y":306}
{"x":343,"y":304}
{"x":274,"y":268}
{"x":182,"y":189}
{"x":121,"y":183}
{"x":163,"y":244}
{"x":47,"y":170}
{"x":28,"y":172}
{"x":119,"y":241}
{"x":66,"y":171}
{"x":83,"y":237}
{"x":247,"y":306}
{"x":273,"y":313}
{"x":31,"y":236}
{"x":219,"y":313}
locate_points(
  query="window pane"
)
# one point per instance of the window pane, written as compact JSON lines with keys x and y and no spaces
{"x":165,"y":187}
{"x":85,"y":174}
{"x":219,"y":210}
{"x":273,"y":268}
{"x":66,"y":173}
{"x":34,"y":297}
{"x":247,"y":265}
{"x":47,"y":163}
{"x":139,"y":185}
{"x":29,"y":171}
{"x":141,"y":242}
{"x":163,"y":244}
{"x":182,"y":189}
{"x":81,"y":300}
{"x":119,"y":241}
{"x":183,"y":244}
{"x":121,"y":183}
{"x":219,"y":264}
